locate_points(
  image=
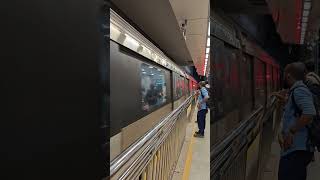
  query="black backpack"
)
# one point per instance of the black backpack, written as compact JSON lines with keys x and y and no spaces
{"x":314,"y":127}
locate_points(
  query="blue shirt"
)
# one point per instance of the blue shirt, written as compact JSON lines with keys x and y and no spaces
{"x":202,"y":94}
{"x":303,"y":99}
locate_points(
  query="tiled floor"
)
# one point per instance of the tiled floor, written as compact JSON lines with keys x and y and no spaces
{"x":200,"y":167}
{"x":199,"y":152}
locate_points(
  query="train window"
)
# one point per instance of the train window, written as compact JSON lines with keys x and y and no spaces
{"x":186,"y":87}
{"x":178,"y":86}
{"x":260,"y":82}
{"x":269,"y":79}
{"x":276,"y":78}
{"x":246,"y":85}
{"x":130,"y":86}
{"x":153,"y":87}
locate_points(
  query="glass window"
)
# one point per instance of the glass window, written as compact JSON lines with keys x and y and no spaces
{"x":260,"y":82}
{"x":153,"y":87}
{"x":178,"y":86}
{"x":246,"y":85}
{"x":269,"y":79}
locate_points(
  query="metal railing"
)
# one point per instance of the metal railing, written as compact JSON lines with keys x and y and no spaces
{"x":154,"y":156}
{"x":229,"y":158}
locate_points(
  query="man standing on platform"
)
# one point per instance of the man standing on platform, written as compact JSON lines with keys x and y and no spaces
{"x":202,"y":109}
{"x":296,"y":150}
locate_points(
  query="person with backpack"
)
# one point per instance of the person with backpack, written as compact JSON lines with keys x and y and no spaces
{"x":299,"y":112}
{"x":312,"y":79}
{"x":202,"y":109}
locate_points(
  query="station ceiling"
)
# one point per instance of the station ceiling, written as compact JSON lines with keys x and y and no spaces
{"x":156,"y":19}
{"x":197,"y":15}
{"x":288,"y":16}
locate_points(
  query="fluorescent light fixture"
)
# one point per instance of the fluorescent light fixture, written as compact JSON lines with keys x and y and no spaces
{"x":150,"y":67}
{"x":305,"y":19}
{"x":207,"y":56}
{"x":208,"y":42}
{"x":152,"y":74}
{"x":143,"y":72}
{"x":207,"y":50}
{"x":131,"y":40}
{"x":305,"y":13}
{"x":209,"y":29}
{"x":307,"y":5}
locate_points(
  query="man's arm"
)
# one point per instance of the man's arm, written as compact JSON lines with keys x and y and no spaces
{"x":304,"y":101}
{"x":301,"y":122}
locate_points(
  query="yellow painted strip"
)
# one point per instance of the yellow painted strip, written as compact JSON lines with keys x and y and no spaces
{"x":187,"y":166}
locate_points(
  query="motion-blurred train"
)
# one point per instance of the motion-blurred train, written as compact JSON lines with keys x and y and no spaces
{"x":242,"y":76}
{"x":145,"y":85}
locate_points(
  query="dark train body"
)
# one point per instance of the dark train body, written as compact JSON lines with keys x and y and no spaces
{"x":243,"y":76}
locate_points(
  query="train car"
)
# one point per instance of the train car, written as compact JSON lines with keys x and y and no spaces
{"x":145,"y":85}
{"x":243,"y":77}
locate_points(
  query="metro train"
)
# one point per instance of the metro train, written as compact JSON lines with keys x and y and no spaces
{"x":146,"y":85}
{"x":243,"y":77}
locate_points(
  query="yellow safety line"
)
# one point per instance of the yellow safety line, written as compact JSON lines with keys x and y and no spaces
{"x":187,"y":166}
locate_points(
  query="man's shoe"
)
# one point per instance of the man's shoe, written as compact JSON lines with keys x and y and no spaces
{"x":196,"y":134}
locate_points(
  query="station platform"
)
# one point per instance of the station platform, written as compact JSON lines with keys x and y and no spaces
{"x":271,"y":169}
{"x":193,"y":163}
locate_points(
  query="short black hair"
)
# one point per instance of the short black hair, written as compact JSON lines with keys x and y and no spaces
{"x":296,"y":70}
{"x":309,"y":65}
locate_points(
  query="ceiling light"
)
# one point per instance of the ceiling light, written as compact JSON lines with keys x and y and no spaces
{"x":304,"y":24}
{"x":305,"y":19}
{"x":207,"y":50}
{"x":207,"y":56}
{"x":307,"y":5}
{"x":208,"y":42}
{"x":305,"y":13}
{"x":209,"y":29}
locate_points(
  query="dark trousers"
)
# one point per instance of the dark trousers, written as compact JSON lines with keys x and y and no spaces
{"x":294,"y":165}
{"x":201,"y":119}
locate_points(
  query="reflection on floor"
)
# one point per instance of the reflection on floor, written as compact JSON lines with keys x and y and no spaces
{"x":194,"y":161}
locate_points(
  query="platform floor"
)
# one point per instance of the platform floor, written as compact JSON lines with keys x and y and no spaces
{"x":271,"y":170}
{"x":194,"y":161}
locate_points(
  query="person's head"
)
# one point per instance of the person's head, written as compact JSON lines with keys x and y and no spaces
{"x":202,"y":84}
{"x":294,"y":72}
{"x":309,"y":66}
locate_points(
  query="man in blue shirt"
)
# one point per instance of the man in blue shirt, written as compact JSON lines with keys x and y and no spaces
{"x":296,"y":150}
{"x":202,"y":109}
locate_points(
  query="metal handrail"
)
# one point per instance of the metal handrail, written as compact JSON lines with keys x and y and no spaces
{"x":225,"y":151}
{"x":132,"y":150}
